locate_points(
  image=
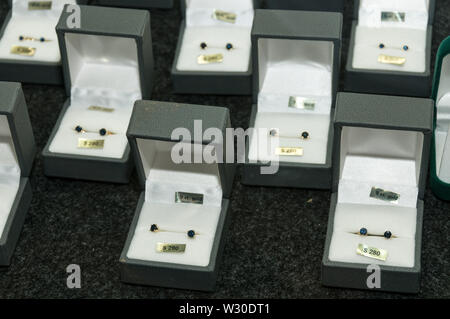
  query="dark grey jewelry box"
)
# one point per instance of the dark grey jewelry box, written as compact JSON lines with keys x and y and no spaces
{"x":155,"y":121}
{"x":296,"y":25}
{"x":13,"y":106}
{"x":209,"y":82}
{"x":385,"y":113}
{"x":417,"y":84}
{"x":316,"y":5}
{"x":142,"y":4}
{"x":112,"y":22}
{"x":30,"y":71}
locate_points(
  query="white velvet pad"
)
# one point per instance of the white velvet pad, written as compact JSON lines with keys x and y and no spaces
{"x":350,"y":218}
{"x":366,"y":50}
{"x":33,"y":23}
{"x":443,"y":123}
{"x":386,"y":159}
{"x":371,"y":31}
{"x":298,"y":68}
{"x":9,"y":172}
{"x":164,"y":179}
{"x":201,"y":27}
{"x":104,"y":72}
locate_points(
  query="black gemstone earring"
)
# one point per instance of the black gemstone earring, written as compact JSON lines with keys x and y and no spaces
{"x":305,"y":135}
{"x":102,"y":132}
{"x":154,"y":229}
{"x":203,"y":45}
{"x":191,"y":233}
{"x":388,"y":234}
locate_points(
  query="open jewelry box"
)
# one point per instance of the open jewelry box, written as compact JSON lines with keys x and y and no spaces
{"x":177,"y":198}
{"x":108,"y":65}
{"x":381,"y":158}
{"x":17,"y":151}
{"x":314,"y":5}
{"x":142,"y":4}
{"x":440,"y":151}
{"x":29,"y":50}
{"x":390,"y":47}
{"x":214,"y":47}
{"x":296,"y":70}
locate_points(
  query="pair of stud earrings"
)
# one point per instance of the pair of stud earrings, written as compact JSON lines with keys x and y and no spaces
{"x":26,"y":38}
{"x":154,"y":229}
{"x":228,"y":46}
{"x":387,"y":234}
{"x":276,"y":133}
{"x":102,"y":131}
{"x":404,"y":47}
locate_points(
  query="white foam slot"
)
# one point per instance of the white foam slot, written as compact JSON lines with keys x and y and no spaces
{"x":164,"y":179}
{"x":443,"y":123}
{"x":297,"y":68}
{"x":202,"y":27}
{"x":386,"y":159}
{"x":104,"y":71}
{"x":371,"y":31}
{"x":36,"y":24}
{"x":9,"y":172}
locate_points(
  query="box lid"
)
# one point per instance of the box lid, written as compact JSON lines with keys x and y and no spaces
{"x":383,"y":127}
{"x":157,"y":121}
{"x":16,"y":127}
{"x":111,"y":50}
{"x":412,"y":6}
{"x":320,"y":31}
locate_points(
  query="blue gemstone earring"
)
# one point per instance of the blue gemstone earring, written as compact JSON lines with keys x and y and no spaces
{"x":404,"y":47}
{"x":102,"y":132}
{"x":363,"y":231}
{"x":154,"y":229}
{"x":41,"y":39}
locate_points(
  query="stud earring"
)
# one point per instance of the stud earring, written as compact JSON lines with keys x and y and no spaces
{"x":404,"y":47}
{"x":275,"y":133}
{"x":363,"y":231}
{"x":102,"y":132}
{"x":155,"y":229}
{"x":229,"y":46}
{"x":26,"y":38}
{"x":203,"y":45}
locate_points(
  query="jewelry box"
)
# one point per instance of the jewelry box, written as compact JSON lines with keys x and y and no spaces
{"x":178,"y":232}
{"x":315,"y":5}
{"x":140,"y":4}
{"x":17,"y":151}
{"x":213,"y":54}
{"x":380,"y":167}
{"x":440,"y":150}
{"x":29,"y":50}
{"x":108,"y":65}
{"x":296,"y":65}
{"x":390,"y":47}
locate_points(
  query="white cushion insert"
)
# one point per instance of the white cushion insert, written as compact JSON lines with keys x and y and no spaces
{"x":9,"y":172}
{"x":371,"y":31}
{"x":202,"y":27}
{"x":33,"y":23}
{"x":164,"y":179}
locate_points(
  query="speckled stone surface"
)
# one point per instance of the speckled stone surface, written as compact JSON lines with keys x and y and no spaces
{"x":275,"y":244}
